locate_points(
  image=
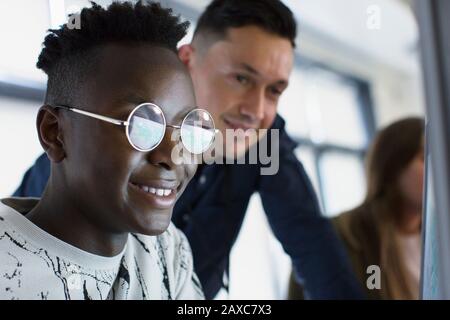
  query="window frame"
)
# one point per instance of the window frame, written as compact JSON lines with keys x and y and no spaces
{"x":365,"y":105}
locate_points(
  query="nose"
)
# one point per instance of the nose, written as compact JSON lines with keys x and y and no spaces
{"x":253,"y":106}
{"x":161,"y":156}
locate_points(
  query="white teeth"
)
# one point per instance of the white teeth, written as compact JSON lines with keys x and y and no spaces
{"x":158,"y":192}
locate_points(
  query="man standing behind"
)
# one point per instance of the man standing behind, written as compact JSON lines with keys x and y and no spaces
{"x":240,"y":60}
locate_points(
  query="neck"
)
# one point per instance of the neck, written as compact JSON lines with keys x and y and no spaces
{"x":57,"y":214}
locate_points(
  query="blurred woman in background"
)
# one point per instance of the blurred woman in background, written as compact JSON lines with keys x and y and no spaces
{"x":385,"y":229}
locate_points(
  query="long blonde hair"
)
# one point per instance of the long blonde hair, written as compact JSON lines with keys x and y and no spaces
{"x":374,"y":221}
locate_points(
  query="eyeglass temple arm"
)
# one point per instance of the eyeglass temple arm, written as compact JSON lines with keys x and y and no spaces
{"x":108,"y":119}
{"x":96,"y":116}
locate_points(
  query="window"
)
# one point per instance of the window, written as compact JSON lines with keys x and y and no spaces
{"x":343,"y":180}
{"x":331,"y":150}
{"x":23,"y":25}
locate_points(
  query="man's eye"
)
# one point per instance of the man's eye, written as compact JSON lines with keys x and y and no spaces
{"x":242,"y":79}
{"x":275,"y":91}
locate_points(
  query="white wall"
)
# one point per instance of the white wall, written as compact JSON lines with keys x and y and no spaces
{"x":336,"y":32}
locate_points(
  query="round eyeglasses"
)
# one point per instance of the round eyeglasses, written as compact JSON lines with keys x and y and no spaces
{"x":146,"y":125}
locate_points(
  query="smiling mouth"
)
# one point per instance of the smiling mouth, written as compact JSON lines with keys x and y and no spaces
{"x":159,"y":197}
{"x":160,"y":192}
{"x":236,"y":124}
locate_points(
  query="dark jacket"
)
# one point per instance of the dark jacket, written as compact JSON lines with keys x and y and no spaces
{"x":346,"y":232}
{"x":213,"y":206}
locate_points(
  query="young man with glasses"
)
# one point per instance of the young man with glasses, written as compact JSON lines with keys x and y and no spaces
{"x":102,"y":229}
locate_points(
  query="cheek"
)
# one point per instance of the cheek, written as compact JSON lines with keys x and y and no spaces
{"x":216,"y":94}
{"x":221,"y":98}
{"x":411,"y":181}
{"x":417,"y":173}
{"x":113,"y":174}
{"x":113,"y":158}
{"x":185,"y":174}
{"x":420,"y":177}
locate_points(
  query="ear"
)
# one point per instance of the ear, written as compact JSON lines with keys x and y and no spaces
{"x":48,"y":124}
{"x":186,"y":55}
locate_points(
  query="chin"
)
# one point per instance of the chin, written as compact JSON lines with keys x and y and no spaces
{"x":154,"y":230}
{"x":154,"y":226}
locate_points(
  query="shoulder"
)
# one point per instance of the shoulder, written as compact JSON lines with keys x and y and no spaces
{"x":20,"y":259}
{"x":6,"y":227}
{"x":13,"y":208}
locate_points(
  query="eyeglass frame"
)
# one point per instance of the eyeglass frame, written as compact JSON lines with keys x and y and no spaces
{"x":126,"y":123}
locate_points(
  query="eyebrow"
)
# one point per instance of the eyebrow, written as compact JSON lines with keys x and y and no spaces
{"x":255,"y":72}
{"x":249,"y":68}
{"x":136,"y":99}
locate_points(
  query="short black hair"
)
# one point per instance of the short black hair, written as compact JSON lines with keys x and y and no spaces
{"x":271,"y":15}
{"x":68,"y":53}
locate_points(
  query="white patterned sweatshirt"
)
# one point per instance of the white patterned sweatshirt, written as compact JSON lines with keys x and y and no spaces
{"x":36,"y":265}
